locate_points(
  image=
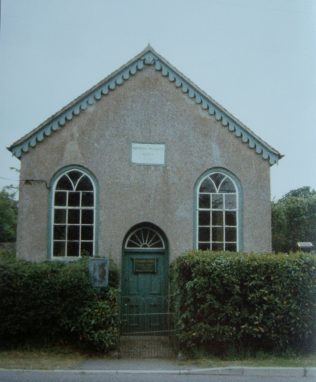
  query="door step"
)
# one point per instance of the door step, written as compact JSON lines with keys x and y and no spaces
{"x":146,"y":347}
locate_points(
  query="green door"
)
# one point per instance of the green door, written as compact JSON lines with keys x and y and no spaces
{"x":144,"y":289}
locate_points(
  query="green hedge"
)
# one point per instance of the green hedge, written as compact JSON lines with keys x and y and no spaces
{"x":228,"y":301}
{"x":51,"y":301}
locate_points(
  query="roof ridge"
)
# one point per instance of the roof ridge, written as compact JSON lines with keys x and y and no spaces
{"x":147,"y":57}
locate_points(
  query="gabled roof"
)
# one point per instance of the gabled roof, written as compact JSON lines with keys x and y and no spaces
{"x":147,"y":57}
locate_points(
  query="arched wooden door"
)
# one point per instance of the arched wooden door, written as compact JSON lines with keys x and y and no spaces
{"x":144,"y":280}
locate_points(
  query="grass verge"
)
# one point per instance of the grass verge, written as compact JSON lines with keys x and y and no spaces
{"x":67,"y":357}
{"x":258,"y":360}
{"x":55,"y":357}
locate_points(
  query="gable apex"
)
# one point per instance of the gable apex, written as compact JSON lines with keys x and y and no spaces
{"x":147,"y":57}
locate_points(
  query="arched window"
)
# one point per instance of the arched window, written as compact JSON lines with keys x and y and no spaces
{"x":144,"y":238}
{"x":73,"y":215}
{"x":217,"y":213}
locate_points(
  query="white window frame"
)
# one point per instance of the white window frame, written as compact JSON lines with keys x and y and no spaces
{"x":67,"y":207}
{"x":223,"y":209}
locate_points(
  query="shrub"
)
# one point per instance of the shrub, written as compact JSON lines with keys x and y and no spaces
{"x":6,"y":255}
{"x":227,"y":301}
{"x":98,"y":325}
{"x":47,"y":300}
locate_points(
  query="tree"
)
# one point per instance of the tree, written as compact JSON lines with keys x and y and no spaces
{"x":294,"y":219}
{"x":8,"y":216}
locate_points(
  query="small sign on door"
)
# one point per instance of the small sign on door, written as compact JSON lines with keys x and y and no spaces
{"x":144,"y":265}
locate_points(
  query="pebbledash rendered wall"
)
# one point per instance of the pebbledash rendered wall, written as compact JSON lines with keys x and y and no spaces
{"x":146,"y":109}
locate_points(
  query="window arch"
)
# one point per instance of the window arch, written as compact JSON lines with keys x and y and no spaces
{"x":218,"y":214}
{"x":144,"y":238}
{"x":73,"y":215}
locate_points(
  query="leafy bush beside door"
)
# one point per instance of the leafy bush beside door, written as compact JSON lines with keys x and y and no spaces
{"x":224,"y":301}
{"x":51,"y":301}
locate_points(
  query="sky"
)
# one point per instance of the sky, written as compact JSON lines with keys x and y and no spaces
{"x":257,"y":58}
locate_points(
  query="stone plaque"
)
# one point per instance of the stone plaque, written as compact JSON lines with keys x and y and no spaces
{"x":144,"y":265}
{"x":148,"y":153}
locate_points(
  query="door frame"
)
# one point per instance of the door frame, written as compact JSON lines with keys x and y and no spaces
{"x":147,"y":252}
